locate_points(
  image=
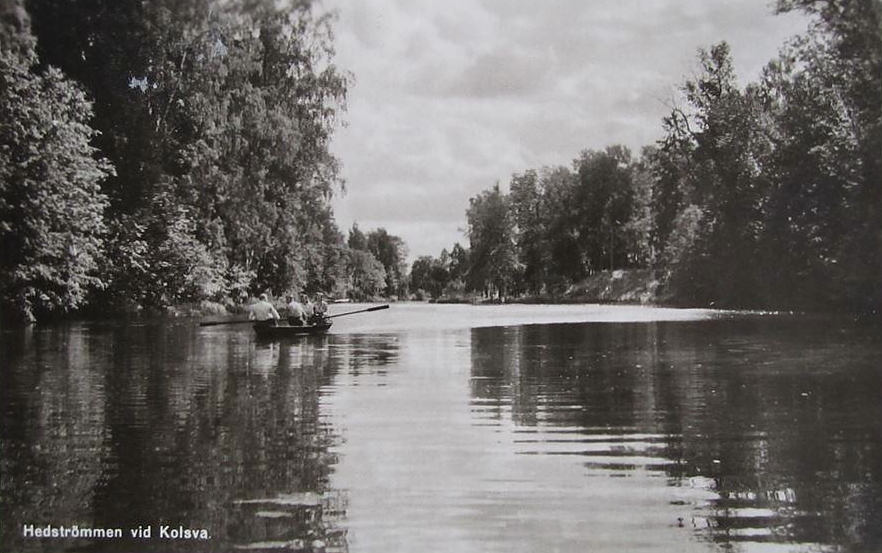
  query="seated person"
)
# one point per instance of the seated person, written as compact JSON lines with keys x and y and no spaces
{"x":297,"y":314}
{"x":319,"y":309}
{"x":263,"y":312}
{"x":307,"y":306}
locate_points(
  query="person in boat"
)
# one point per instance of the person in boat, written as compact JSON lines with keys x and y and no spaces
{"x":308,"y":306}
{"x":319,"y":309}
{"x":298,"y":314}
{"x":263,"y":312}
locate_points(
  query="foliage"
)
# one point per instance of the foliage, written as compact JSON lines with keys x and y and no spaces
{"x":357,"y":239}
{"x":458,"y":263}
{"x":636,"y":233}
{"x":824,"y":95}
{"x":494,"y":262}
{"x":766,"y":195}
{"x":530,"y":229}
{"x":685,"y":258}
{"x":430,"y":275}
{"x":192,"y":162}
{"x":213,"y":112}
{"x":51,"y":204}
{"x":367,"y":277}
{"x":556,"y":226}
{"x":603,"y":200}
{"x":723,"y":134}
{"x":391,"y":252}
{"x":262,"y":103}
{"x":442,"y":277}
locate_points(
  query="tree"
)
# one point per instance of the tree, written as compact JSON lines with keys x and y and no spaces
{"x":530,"y":227}
{"x":670,"y":165}
{"x":51,"y":204}
{"x":493,"y":257}
{"x":809,"y":209}
{"x":357,"y":239}
{"x":566,"y":257}
{"x":430,"y":275}
{"x":603,"y":200}
{"x":366,"y":274}
{"x":329,"y":269}
{"x":391,"y":252}
{"x":637,"y":231}
{"x":16,"y":37}
{"x":724,"y":140}
{"x":459,"y":263}
{"x":263,"y":102}
{"x":826,"y":97}
{"x":227,"y":109}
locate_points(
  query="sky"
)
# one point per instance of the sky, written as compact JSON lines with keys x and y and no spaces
{"x":449,"y":98}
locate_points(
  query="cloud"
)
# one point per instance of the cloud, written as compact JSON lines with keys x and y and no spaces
{"x":503,"y":73}
{"x":452,"y":97}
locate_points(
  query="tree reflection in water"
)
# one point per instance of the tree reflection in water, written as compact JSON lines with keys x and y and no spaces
{"x":151,"y":425}
{"x":748,"y":430}
{"x":766,"y":431}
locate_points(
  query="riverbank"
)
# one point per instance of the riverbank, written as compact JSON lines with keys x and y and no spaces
{"x":618,"y":287}
{"x":635,"y":286}
{"x":629,"y":287}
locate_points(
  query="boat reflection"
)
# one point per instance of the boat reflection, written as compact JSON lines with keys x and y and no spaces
{"x":151,"y":425}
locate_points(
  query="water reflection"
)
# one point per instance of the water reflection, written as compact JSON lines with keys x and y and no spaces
{"x":764,"y":432}
{"x":739,"y":433}
{"x":365,"y":354}
{"x":164,"y":424}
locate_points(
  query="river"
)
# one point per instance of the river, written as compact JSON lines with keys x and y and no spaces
{"x":428,"y":428}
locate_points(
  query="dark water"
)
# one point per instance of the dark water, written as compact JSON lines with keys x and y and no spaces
{"x":712,"y":432}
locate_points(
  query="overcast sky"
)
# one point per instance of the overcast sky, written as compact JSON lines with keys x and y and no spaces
{"x":451,"y":97}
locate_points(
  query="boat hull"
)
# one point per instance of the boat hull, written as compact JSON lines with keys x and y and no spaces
{"x":285,"y":331}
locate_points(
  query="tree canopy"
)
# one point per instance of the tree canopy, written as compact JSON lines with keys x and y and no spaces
{"x":51,"y":203}
{"x":191,"y":158}
{"x":766,"y":195}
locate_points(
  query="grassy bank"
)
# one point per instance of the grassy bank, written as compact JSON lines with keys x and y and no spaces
{"x":635,"y":287}
{"x":628,"y":287}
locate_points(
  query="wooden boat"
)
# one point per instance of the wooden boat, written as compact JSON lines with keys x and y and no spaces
{"x":275,"y":332}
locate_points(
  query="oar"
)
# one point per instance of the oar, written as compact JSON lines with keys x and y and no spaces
{"x":375,"y":308}
{"x":237,"y":322}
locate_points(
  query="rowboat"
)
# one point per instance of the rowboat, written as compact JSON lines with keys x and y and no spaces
{"x":275,"y":332}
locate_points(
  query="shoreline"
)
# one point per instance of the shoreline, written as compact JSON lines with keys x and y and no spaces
{"x":635,"y":287}
{"x":197,"y":312}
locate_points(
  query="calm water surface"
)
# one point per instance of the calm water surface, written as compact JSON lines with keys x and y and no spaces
{"x":450,"y":428}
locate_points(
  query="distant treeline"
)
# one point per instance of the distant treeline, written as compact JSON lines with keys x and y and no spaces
{"x":164,"y":152}
{"x":768,"y":195}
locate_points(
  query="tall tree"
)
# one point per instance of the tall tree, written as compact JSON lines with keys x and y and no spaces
{"x":265,"y":109}
{"x":391,"y":252}
{"x":430,"y":274}
{"x":357,"y":239}
{"x":224,"y":109}
{"x":530,"y":227}
{"x":603,"y":202}
{"x":493,"y":257}
{"x":837,"y":70}
{"x":366,"y":275}
{"x":459,"y":263}
{"x":51,"y":204}
{"x":637,"y":231}
{"x":722,"y":187}
{"x":809,"y":209}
